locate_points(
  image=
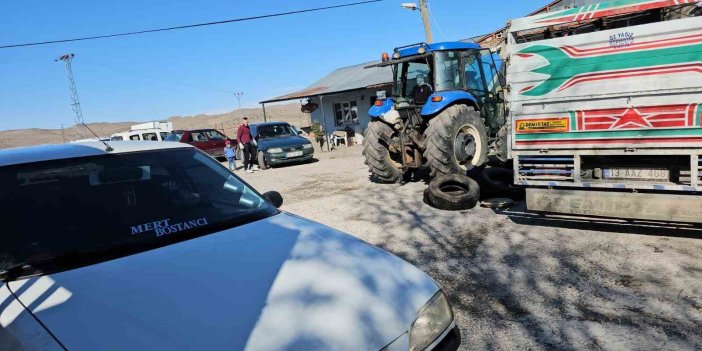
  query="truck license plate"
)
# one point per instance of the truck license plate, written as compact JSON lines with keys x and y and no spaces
{"x":637,"y":174}
{"x":294,"y":154}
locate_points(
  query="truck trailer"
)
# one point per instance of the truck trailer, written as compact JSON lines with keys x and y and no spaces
{"x":605,"y":103}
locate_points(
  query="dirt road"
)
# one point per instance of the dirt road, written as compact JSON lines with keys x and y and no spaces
{"x":517,"y":280}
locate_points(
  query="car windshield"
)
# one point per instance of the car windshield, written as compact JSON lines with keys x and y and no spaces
{"x":175,"y":136}
{"x":274,"y":131}
{"x":120,"y":200}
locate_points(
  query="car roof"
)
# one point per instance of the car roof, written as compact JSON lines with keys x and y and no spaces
{"x":29,"y":154}
{"x":139,"y":131}
{"x":269,"y":124}
{"x":192,"y":130}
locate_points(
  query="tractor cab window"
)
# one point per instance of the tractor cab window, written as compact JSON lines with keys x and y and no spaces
{"x":483,"y":81}
{"x":474,"y":73}
{"x":447,"y":67}
{"x":413,"y":81}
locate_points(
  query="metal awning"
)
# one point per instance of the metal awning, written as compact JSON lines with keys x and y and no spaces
{"x":342,"y":80}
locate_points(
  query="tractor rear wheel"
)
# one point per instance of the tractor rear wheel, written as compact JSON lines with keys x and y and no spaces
{"x":456,"y":141}
{"x":384,"y":164}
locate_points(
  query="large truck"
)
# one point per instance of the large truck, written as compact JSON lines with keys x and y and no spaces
{"x":596,"y":109}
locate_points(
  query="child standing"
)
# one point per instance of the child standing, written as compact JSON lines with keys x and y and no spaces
{"x":229,"y":153}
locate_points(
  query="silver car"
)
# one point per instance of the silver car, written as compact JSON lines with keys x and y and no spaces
{"x":150,"y":246}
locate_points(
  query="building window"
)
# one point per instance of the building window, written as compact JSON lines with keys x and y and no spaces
{"x":346,"y":112}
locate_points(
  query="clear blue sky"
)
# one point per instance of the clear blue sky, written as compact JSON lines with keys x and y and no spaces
{"x":191,"y":71}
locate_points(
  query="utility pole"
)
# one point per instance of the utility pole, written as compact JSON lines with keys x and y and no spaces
{"x":238,"y":95}
{"x":425,"y":16}
{"x":425,"y":19}
{"x":67,"y":58}
{"x":63,"y":135}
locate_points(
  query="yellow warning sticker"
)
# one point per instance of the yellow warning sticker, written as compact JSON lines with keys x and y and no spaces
{"x":545,"y":125}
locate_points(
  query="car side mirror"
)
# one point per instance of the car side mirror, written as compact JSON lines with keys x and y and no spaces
{"x":274,"y":197}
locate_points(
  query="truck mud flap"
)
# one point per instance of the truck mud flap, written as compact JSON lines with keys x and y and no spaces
{"x":657,"y":207}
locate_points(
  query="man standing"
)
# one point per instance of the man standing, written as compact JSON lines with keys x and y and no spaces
{"x":243,"y":137}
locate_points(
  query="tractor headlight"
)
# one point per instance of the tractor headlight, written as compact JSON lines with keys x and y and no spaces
{"x":307,"y":146}
{"x":432,"y":320}
{"x":275,"y":150}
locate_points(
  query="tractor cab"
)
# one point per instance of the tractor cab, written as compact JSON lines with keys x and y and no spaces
{"x":431,"y":77}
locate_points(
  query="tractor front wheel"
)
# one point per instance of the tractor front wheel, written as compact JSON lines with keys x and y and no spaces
{"x":456,"y":141}
{"x":385,"y":164}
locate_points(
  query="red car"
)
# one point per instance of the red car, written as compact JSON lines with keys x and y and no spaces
{"x":210,"y":141}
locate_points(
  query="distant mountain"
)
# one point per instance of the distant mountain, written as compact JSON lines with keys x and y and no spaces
{"x":226,"y":122}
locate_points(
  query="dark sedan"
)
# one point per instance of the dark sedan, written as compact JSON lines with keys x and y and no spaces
{"x":279,"y":143}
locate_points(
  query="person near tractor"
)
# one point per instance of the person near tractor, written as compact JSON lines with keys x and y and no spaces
{"x":246,"y":144}
{"x":230,"y":154}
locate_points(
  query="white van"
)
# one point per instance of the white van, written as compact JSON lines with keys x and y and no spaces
{"x":151,"y":134}
{"x":150,"y":131}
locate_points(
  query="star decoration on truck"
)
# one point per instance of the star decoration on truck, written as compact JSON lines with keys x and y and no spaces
{"x":631,"y":118}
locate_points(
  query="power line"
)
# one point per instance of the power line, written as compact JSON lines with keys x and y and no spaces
{"x":189,"y":25}
{"x":436,"y":23}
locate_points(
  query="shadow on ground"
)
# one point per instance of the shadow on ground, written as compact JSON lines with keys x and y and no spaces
{"x":520,"y":215}
{"x":533,"y":283}
{"x":293,"y":164}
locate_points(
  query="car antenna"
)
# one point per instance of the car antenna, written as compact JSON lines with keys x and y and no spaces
{"x":108,"y":148}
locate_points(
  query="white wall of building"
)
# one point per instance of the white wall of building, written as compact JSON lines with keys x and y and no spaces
{"x":363,"y":100}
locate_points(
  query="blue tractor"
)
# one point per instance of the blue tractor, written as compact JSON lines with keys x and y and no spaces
{"x":446,"y":111}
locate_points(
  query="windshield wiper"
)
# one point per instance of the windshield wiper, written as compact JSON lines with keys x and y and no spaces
{"x":15,"y":272}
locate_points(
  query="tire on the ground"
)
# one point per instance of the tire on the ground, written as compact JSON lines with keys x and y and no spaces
{"x":440,"y":137}
{"x":500,"y":182}
{"x":377,"y":155}
{"x":426,"y":198}
{"x":453,"y":192}
{"x":262,"y":161}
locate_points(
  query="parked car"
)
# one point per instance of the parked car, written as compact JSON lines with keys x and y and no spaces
{"x":279,"y":143}
{"x":210,"y":141}
{"x":156,"y":246}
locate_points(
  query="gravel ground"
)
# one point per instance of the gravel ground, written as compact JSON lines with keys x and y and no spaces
{"x":517,"y":280}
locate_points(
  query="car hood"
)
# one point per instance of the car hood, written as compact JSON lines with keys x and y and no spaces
{"x":282,"y":283}
{"x":288,"y":141}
